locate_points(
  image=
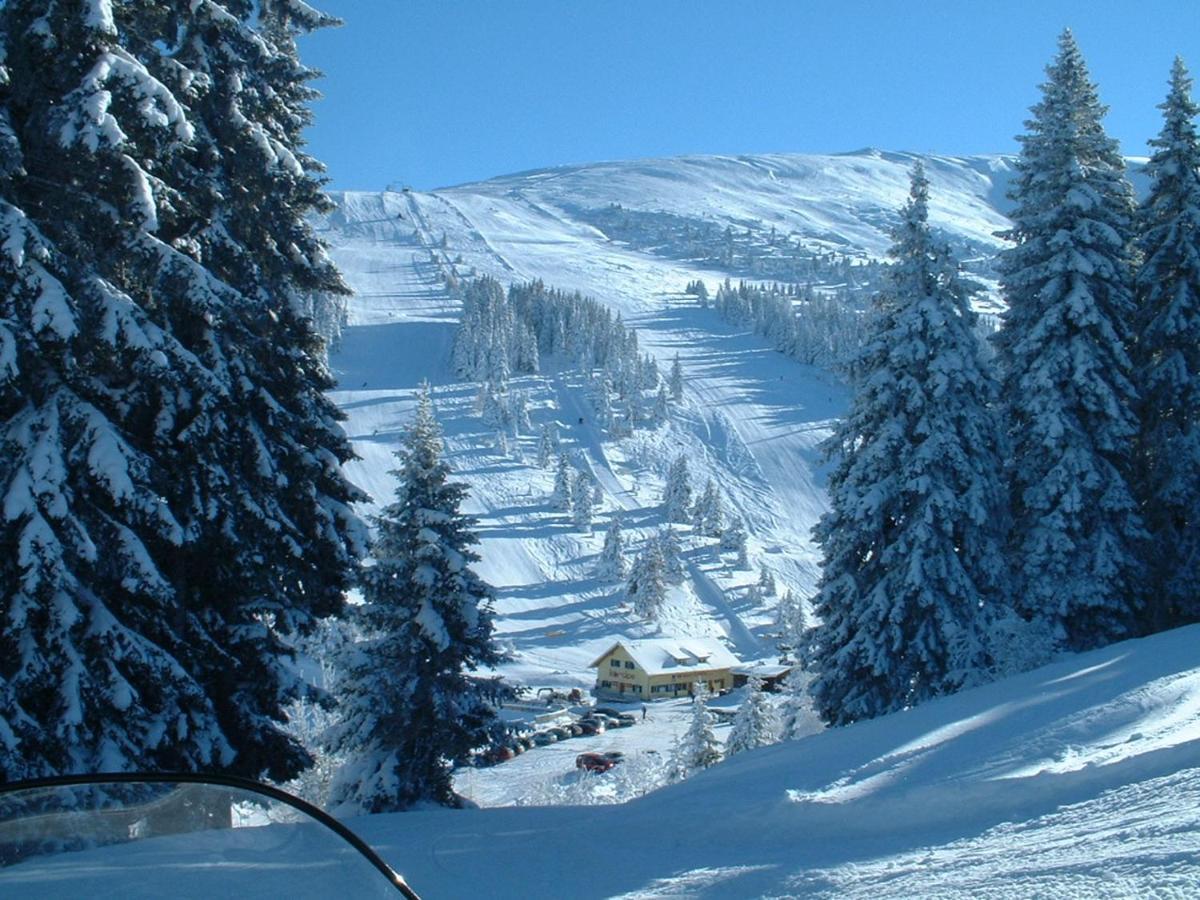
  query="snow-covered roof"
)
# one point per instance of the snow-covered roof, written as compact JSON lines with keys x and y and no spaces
{"x":661,"y":656}
{"x":762,"y":670}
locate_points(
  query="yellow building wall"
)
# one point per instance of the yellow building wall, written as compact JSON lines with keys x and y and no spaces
{"x":627,"y":680}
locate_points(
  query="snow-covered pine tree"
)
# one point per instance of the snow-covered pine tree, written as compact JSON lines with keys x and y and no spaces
{"x":756,"y":723}
{"x":410,"y":706}
{"x":912,"y":544}
{"x":581,"y":501}
{"x":672,"y":554}
{"x":1167,"y":359}
{"x":562,"y":496}
{"x":790,"y":620}
{"x":1062,"y":350}
{"x":699,"y":748}
{"x":677,"y":494}
{"x":733,"y":540}
{"x":162,"y":389}
{"x":766,"y":580}
{"x":646,"y":587}
{"x":547,"y":446}
{"x":797,"y":718}
{"x":708,"y":517}
{"x":675,"y":380}
{"x":662,"y":406}
{"x":612,"y":557}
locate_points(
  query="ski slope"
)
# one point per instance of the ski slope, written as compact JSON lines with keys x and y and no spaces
{"x":752,"y":419}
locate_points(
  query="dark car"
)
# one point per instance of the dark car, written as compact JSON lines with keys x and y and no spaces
{"x":597,"y":762}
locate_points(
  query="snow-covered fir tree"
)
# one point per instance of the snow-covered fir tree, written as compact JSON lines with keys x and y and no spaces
{"x":562,"y":496}
{"x":766,"y":580}
{"x":662,"y":406}
{"x":171,"y":467}
{"x":699,"y":748}
{"x":756,"y":723}
{"x":1064,"y":360}
{"x":708,"y":515}
{"x":797,"y":718}
{"x":410,"y":705}
{"x":646,"y":587}
{"x":677,"y":494}
{"x":581,"y":501}
{"x":1167,"y":361}
{"x":734,"y":540}
{"x":912,"y":544}
{"x":790,"y":620}
{"x":671,"y":553}
{"x":548,"y":446}
{"x":675,"y":380}
{"x":612,"y":564}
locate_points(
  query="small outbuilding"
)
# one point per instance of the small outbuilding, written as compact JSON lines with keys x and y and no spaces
{"x":772,"y":676}
{"x":662,"y":668}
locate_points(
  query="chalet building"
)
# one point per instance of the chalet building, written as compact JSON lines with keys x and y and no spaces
{"x":772,"y":677}
{"x":662,"y":668}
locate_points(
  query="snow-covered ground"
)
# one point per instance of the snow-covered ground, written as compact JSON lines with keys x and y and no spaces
{"x":1081,"y":779}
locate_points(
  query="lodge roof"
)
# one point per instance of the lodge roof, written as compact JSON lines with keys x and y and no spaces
{"x":661,"y":656}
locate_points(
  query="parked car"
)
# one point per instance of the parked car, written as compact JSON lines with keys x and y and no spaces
{"x":591,"y":726}
{"x":597,"y":762}
{"x":542,"y":738}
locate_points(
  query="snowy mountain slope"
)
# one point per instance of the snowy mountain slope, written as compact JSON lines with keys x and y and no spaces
{"x":752,"y":419}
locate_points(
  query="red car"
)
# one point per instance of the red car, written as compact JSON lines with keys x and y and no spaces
{"x":598,"y":762}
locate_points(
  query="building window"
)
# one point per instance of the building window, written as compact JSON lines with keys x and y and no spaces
{"x":615,"y":663}
{"x":606,"y":684}
{"x":628,"y":665}
{"x":637,"y":688}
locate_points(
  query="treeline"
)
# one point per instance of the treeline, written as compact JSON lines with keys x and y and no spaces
{"x":815,"y":328}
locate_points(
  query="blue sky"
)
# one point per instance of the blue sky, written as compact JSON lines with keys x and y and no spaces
{"x":438,"y":92}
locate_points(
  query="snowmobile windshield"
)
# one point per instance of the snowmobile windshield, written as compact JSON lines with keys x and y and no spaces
{"x":132,"y":835}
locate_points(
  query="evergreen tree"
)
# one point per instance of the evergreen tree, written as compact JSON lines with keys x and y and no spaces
{"x":581,"y":501}
{"x":547,"y":446}
{"x":790,"y":620}
{"x":1062,"y":351}
{"x":672,"y":555}
{"x":766,"y":581}
{"x":708,"y":516}
{"x":733,"y":540}
{"x":912,"y":561}
{"x":676,"y":380}
{"x":1168,"y":360}
{"x":410,"y":705}
{"x":162,"y":389}
{"x":646,"y":587}
{"x":756,"y":723}
{"x":677,"y":494}
{"x":796,"y":716}
{"x":662,"y":407}
{"x":699,"y":748}
{"x":612,"y":557}
{"x":563,"y":495}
